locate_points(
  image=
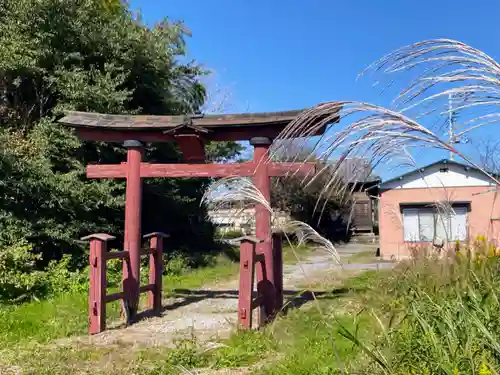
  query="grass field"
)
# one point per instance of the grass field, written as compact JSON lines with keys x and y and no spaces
{"x":427,"y":316}
{"x":66,"y":314}
{"x":26,"y":330}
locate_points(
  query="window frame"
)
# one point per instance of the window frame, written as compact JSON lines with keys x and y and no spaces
{"x":422,"y":207}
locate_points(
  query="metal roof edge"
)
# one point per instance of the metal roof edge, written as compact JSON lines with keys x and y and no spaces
{"x":441,"y":161}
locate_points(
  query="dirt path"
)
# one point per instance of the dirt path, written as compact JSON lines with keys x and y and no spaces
{"x":211,"y":313}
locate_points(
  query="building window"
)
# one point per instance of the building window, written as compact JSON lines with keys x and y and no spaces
{"x":425,"y":224}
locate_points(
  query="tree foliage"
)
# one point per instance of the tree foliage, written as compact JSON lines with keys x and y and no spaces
{"x":89,"y":55}
{"x":304,"y":198}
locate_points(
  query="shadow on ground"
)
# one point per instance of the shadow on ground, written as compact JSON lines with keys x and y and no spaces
{"x":294,"y":299}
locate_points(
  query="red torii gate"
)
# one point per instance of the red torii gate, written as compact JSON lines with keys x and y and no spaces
{"x":190,"y":133}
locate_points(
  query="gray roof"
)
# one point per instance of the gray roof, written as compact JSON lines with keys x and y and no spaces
{"x":143,"y":122}
{"x":421,"y":169}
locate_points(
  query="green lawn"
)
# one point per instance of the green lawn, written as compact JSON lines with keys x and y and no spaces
{"x":26,"y":330}
{"x":428,"y":316}
{"x":309,"y":340}
{"x":363,"y":257}
{"x":66,"y":314}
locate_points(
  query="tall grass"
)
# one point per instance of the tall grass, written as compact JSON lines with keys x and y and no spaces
{"x":438,"y":316}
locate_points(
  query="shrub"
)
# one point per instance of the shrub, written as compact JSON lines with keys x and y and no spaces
{"x":176,"y":265}
{"x":79,"y":55}
{"x":19,"y":278}
{"x":114,"y":272}
{"x":61,"y":279}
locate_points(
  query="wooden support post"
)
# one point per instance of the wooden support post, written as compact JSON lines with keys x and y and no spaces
{"x":155,"y":270}
{"x":247,"y":267}
{"x":265,"y":271}
{"x":132,"y":243}
{"x":278,"y":268}
{"x":97,"y":288}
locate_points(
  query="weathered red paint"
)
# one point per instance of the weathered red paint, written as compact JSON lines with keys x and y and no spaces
{"x":155,"y":270}
{"x":192,"y":147}
{"x":97,"y":305}
{"x":114,"y":297}
{"x":242,"y":133}
{"x":265,"y":271}
{"x":146,"y":288}
{"x":133,"y":206}
{"x":247,"y":269}
{"x":278,"y":268}
{"x":198,"y":170}
{"x":98,"y":284}
{"x":248,"y":261}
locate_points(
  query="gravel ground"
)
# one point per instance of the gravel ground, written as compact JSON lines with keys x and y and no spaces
{"x":211,"y":313}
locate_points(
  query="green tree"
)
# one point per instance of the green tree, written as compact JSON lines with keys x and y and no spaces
{"x":305,"y":198}
{"x":89,"y":55}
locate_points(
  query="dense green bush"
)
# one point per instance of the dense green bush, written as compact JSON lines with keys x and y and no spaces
{"x":176,"y":265}
{"x":18,"y":275}
{"x":20,"y":279}
{"x":86,"y":55}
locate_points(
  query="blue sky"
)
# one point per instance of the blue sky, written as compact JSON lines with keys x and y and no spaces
{"x":277,"y":55}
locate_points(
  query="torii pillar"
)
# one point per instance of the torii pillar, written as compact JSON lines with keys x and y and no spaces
{"x":266,"y":283}
{"x":132,"y":235}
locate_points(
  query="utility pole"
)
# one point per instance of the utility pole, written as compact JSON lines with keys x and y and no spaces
{"x":450,"y":123}
{"x":453,"y":140}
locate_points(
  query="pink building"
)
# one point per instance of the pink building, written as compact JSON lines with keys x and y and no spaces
{"x":441,"y":203}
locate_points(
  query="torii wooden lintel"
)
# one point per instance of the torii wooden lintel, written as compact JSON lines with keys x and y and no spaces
{"x":149,"y":170}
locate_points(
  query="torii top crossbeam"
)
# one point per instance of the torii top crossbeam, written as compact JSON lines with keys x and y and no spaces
{"x":144,"y":128}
